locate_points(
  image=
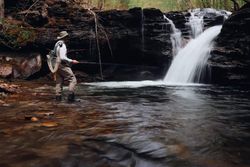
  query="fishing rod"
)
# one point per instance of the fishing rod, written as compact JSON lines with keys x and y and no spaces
{"x":114,"y":64}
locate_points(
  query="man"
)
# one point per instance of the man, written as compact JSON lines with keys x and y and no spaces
{"x":64,"y":72}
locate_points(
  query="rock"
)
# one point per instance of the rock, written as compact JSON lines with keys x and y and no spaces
{"x":36,"y":19}
{"x":41,"y":114}
{"x":49,"y":113}
{"x":179,"y":19}
{"x":2,"y":102}
{"x":49,"y":124}
{"x":6,"y":70}
{"x":34,"y":119}
{"x":28,"y":117}
{"x":230,"y":60}
{"x":19,"y":65}
{"x":7,"y":87}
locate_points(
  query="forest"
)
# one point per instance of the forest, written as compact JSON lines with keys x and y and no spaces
{"x":164,"y":5}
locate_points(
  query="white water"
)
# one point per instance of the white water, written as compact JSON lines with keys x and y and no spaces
{"x":196,"y":19}
{"x":191,"y":60}
{"x":196,"y":22}
{"x":175,"y":37}
{"x":138,"y":84}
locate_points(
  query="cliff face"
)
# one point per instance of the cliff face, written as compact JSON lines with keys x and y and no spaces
{"x":135,"y":43}
{"x":230,"y":61}
{"x":138,"y":39}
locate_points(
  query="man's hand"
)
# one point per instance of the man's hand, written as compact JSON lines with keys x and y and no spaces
{"x":75,"y":62}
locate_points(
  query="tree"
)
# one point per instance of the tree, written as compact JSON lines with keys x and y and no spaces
{"x":236,"y":4}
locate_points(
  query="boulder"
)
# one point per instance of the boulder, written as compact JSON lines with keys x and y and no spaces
{"x":230,"y":60}
{"x":19,"y":65}
{"x":6,"y":70}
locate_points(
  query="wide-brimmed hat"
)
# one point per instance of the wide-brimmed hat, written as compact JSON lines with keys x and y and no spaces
{"x":62,"y":34}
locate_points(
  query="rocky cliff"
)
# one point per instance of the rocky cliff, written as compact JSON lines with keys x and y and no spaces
{"x":134,"y":44}
{"x":230,"y":61}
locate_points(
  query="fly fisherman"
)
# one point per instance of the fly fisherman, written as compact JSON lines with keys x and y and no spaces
{"x":64,"y":72}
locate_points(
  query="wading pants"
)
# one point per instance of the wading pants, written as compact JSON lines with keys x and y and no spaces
{"x":65,"y":73}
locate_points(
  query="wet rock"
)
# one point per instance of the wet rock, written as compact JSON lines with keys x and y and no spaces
{"x":34,"y":119}
{"x":48,"y":113}
{"x":7,"y":87}
{"x":49,"y":124}
{"x":28,"y":116}
{"x":41,"y":114}
{"x":34,"y":13}
{"x":2,"y":102}
{"x":230,"y":61}
{"x":179,"y":19}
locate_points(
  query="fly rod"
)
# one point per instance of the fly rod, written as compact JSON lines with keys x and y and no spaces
{"x":114,"y":64}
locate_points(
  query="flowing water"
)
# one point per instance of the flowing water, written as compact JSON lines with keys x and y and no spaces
{"x":175,"y":37}
{"x":141,"y":126}
{"x":197,"y":16}
{"x":196,"y":22}
{"x":191,"y":60}
{"x":190,"y":63}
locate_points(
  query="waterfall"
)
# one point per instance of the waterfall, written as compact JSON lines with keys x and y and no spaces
{"x":175,"y":37}
{"x":196,"y":22}
{"x":191,"y":60}
{"x":197,"y":16}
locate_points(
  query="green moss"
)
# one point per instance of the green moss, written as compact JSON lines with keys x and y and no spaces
{"x":15,"y":36}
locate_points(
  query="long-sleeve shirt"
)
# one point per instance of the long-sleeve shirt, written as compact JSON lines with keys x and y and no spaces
{"x":61,"y":50}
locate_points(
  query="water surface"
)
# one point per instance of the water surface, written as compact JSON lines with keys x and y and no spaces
{"x":146,"y":126}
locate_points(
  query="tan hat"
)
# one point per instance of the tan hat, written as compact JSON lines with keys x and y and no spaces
{"x":62,"y":34}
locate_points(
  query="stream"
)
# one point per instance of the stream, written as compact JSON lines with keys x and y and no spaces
{"x":144,"y":126}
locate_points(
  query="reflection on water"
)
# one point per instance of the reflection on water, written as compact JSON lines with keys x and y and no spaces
{"x":151,"y":126}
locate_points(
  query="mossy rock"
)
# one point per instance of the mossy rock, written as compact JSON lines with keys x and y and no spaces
{"x":16,"y":36}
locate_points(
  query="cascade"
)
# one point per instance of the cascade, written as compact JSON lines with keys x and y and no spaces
{"x":191,"y":60}
{"x":196,"y":22}
{"x":197,"y":16}
{"x":175,"y":37}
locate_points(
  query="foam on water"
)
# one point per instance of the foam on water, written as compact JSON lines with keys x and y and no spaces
{"x":138,"y":84}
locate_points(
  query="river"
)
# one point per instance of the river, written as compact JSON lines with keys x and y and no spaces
{"x":144,"y":126}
